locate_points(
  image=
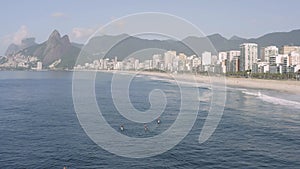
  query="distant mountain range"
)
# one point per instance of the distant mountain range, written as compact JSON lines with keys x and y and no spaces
{"x":57,"y":47}
{"x":25,"y":43}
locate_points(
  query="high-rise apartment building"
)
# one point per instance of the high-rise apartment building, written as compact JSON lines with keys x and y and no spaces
{"x":248,"y":58}
{"x":288,"y":49}
{"x":267,"y":52}
{"x":169,"y":56}
{"x":206,"y":58}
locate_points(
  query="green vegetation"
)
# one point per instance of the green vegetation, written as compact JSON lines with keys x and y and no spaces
{"x":272,"y":76}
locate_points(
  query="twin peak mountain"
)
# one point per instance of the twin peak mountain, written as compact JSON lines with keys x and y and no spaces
{"x":57,"y":47}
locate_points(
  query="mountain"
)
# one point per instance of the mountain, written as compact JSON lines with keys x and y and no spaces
{"x":218,"y":43}
{"x":236,"y":38}
{"x":277,"y":38}
{"x":55,"y":48}
{"x":124,"y":45}
{"x":78,"y":45}
{"x":213,"y":43}
{"x":25,"y":43}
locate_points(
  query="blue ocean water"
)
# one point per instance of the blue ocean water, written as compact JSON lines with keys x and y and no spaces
{"x":39,"y":127}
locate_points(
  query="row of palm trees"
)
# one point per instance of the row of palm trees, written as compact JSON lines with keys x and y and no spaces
{"x":274,"y":76}
{"x":247,"y":74}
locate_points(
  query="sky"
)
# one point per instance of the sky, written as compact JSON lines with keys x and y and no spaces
{"x":81,"y":18}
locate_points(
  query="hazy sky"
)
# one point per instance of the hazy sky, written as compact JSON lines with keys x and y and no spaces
{"x":80,"y":18}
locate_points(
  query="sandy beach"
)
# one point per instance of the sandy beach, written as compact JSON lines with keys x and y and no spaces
{"x":278,"y":85}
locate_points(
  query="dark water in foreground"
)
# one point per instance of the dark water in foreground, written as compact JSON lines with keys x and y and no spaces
{"x":39,"y":128}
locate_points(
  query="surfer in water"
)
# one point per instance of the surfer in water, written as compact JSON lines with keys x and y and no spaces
{"x":158,"y":120}
{"x":122,"y":128}
{"x":145,"y":127}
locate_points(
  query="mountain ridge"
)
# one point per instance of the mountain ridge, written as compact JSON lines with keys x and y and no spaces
{"x":53,"y":49}
{"x":57,"y":47}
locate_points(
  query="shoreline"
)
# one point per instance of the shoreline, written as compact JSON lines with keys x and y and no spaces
{"x":276,"y":85}
{"x":288,"y":86}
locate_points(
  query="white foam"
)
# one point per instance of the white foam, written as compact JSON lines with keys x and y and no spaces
{"x":274,"y":100}
{"x":250,"y":93}
{"x":194,"y":84}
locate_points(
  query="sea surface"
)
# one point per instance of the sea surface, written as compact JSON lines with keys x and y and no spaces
{"x":39,"y":127}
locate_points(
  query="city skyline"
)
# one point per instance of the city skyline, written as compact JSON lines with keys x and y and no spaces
{"x":270,"y":61}
{"x":149,"y":84}
{"x":250,"y":57}
{"x":227,"y":19}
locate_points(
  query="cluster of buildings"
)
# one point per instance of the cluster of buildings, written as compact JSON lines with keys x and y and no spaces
{"x":20,"y":62}
{"x":271,"y":60}
{"x":249,"y":58}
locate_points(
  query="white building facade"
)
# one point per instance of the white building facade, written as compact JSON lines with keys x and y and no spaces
{"x":249,"y":55}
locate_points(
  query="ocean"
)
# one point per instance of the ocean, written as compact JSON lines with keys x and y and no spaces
{"x":39,"y":127}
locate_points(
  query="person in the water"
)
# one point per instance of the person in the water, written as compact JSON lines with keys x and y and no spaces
{"x":122,"y":128}
{"x":145,"y":127}
{"x":158,"y":120}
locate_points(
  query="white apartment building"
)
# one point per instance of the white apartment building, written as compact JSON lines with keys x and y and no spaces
{"x":156,"y":60}
{"x":248,"y":58}
{"x":294,"y":58}
{"x":206,"y":58}
{"x":222,"y":56}
{"x":232,"y":54}
{"x":39,"y":66}
{"x":169,"y":56}
{"x":268,"y":51}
